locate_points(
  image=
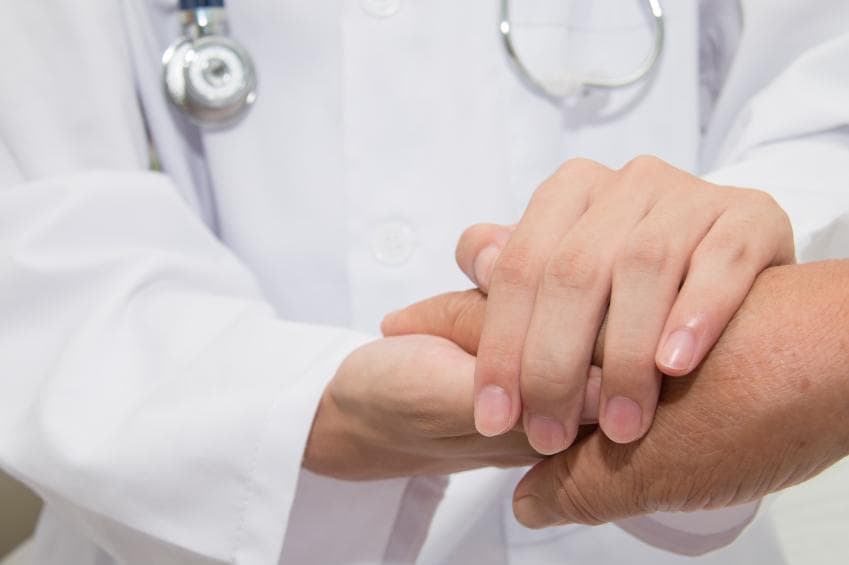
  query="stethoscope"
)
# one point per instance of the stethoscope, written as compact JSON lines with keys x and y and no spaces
{"x":211,"y":78}
{"x":207,"y":75}
{"x":568,"y":84}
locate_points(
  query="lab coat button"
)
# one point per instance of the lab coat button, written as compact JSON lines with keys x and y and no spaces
{"x":393,"y":243}
{"x":381,"y":8}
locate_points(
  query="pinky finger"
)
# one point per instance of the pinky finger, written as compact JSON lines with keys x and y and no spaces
{"x":721,"y":273}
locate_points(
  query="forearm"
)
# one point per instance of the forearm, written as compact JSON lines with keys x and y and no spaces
{"x":794,"y":329}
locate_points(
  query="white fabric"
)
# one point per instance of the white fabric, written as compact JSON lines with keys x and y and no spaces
{"x":166,"y":336}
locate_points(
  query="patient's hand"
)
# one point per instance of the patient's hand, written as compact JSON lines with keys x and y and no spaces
{"x":668,"y":254}
{"x":768,"y":408}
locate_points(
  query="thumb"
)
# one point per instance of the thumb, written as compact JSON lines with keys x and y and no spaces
{"x":593,"y":482}
{"x":478,"y":250}
{"x":457,"y":316}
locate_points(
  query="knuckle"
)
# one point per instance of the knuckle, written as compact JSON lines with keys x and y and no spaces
{"x":574,"y":267}
{"x":729,"y":247}
{"x":579,"y":168}
{"x":425,"y":416}
{"x":466,"y":310}
{"x":760,"y":198}
{"x":574,"y":173}
{"x":470,"y":232}
{"x":544,"y":378}
{"x":472,"y":241}
{"x":514,"y":268}
{"x":631,"y":365}
{"x":647,"y":252}
{"x":779,"y":221}
{"x":549,"y":189}
{"x":467,"y":240}
{"x":643,"y":166}
{"x":499,"y":361}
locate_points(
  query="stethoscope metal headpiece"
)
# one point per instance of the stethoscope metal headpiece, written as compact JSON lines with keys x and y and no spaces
{"x":207,"y":75}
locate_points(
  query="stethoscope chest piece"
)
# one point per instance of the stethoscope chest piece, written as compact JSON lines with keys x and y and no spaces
{"x":207,"y":75}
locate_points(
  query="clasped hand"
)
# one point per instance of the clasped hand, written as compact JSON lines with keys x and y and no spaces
{"x":666,"y":256}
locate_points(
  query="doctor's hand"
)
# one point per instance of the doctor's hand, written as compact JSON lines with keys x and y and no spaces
{"x":667,"y":255}
{"x":459,"y":318}
{"x":401,"y":407}
{"x":768,"y":408}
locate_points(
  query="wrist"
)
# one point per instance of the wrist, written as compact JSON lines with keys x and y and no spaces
{"x":320,"y":443}
{"x":794,"y":328}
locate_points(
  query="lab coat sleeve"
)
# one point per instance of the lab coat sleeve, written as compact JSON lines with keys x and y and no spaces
{"x":149,"y":392}
{"x":792,"y":140}
{"x":150,"y":395}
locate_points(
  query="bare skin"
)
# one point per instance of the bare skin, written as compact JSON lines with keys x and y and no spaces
{"x":768,"y":408}
{"x":403,"y":406}
{"x":668,"y":256}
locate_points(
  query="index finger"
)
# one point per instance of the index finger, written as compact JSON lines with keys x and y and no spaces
{"x":554,"y":208}
{"x":458,"y":317}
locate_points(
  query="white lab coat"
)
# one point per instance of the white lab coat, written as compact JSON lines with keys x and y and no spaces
{"x":166,"y":337}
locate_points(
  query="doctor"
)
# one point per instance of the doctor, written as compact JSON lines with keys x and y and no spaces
{"x":169,"y":336}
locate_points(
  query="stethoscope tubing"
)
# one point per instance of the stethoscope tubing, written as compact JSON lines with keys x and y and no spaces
{"x":588,"y":81}
{"x":210,"y":113}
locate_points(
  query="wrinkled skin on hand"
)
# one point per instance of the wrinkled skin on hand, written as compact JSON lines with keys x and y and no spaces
{"x":767,"y":409}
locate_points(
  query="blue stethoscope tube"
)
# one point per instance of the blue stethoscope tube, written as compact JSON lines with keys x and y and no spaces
{"x":195,"y":4}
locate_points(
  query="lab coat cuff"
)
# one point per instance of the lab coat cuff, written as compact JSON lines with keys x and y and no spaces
{"x":276,"y":467}
{"x":693,"y":533}
{"x":383,"y":521}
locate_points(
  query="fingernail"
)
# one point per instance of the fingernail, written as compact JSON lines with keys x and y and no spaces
{"x":546,"y":435}
{"x":623,"y":420}
{"x":484,"y":263}
{"x":532,"y":513}
{"x":678,"y":350}
{"x":492,"y":411}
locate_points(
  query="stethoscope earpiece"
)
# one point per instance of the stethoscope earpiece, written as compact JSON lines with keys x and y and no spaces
{"x":207,"y":75}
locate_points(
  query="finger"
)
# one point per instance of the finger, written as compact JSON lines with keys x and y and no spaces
{"x":479,"y":248}
{"x":456,"y":316}
{"x":554,"y":208}
{"x":592,"y":395}
{"x":507,"y":446}
{"x":722,"y":271}
{"x":437,"y":390}
{"x":453,"y":415}
{"x":569,"y":309}
{"x":589,"y":415}
{"x":594,"y":482}
{"x":647,"y":274}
